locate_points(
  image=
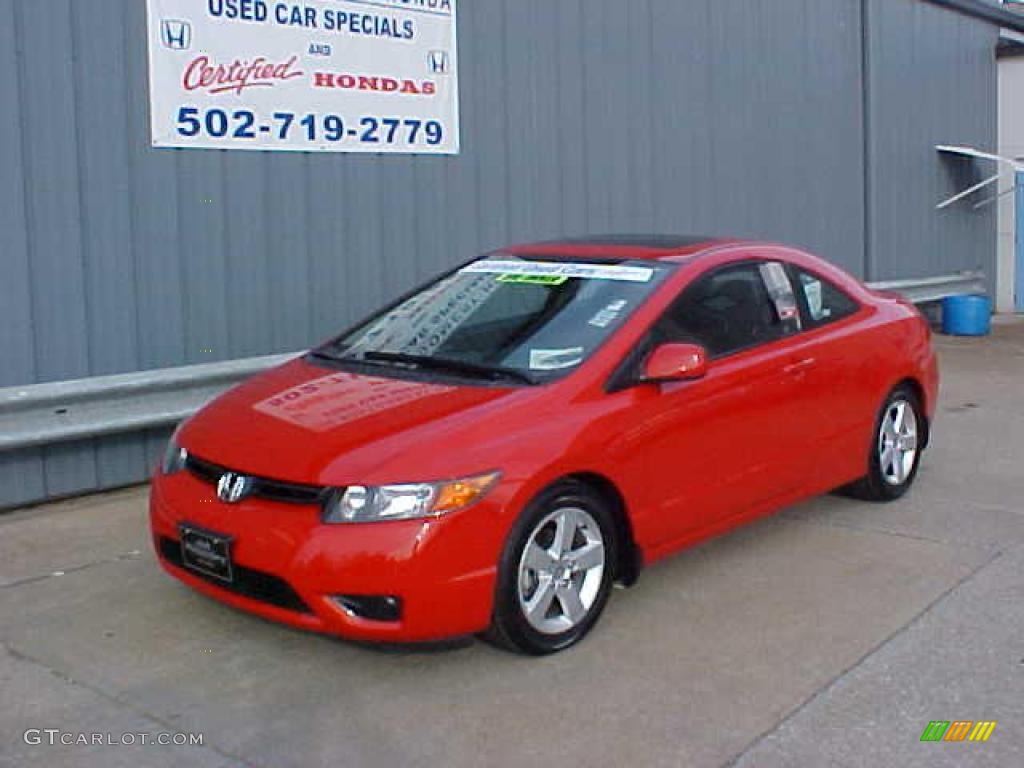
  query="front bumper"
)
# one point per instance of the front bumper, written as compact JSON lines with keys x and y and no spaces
{"x":289,"y":565}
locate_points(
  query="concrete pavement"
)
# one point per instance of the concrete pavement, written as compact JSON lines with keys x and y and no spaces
{"x":830,"y":634}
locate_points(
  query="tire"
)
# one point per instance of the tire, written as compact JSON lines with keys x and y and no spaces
{"x":891,"y":466}
{"x":555,"y":569}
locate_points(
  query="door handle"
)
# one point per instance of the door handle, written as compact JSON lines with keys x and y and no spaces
{"x":800,"y":366}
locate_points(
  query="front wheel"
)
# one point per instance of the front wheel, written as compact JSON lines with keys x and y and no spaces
{"x":556,"y":572}
{"x":896,"y":449}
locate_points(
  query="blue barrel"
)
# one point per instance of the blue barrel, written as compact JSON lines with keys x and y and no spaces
{"x":967,"y":315}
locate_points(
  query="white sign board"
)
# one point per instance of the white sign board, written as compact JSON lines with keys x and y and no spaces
{"x":315,"y":75}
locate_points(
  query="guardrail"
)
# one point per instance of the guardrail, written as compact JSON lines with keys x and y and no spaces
{"x":926,"y":289}
{"x":57,"y":412}
{"x":61,"y":411}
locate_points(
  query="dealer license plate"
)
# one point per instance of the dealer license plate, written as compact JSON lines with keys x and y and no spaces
{"x":206,"y":552}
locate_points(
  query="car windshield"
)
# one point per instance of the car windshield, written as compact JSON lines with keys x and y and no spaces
{"x":505,"y":317}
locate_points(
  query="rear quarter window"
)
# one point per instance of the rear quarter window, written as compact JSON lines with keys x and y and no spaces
{"x":823,"y":301}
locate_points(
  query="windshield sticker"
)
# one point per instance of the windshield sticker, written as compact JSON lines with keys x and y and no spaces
{"x":608,"y":315}
{"x":555,"y":359}
{"x":533,"y":279}
{"x":566,"y":269}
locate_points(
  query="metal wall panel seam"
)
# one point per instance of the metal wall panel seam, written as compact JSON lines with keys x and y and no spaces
{"x":21,"y":80}
{"x":868,"y":263}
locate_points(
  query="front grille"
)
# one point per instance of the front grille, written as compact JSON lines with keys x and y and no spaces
{"x":262,"y":487}
{"x":256,"y":585}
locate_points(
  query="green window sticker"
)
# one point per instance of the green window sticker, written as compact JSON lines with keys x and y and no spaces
{"x":533,"y":279}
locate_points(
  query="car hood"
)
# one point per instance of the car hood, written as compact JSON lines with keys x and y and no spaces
{"x":308,"y":424}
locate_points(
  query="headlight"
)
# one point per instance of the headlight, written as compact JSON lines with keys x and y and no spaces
{"x":174,"y":458}
{"x":360,"y":503}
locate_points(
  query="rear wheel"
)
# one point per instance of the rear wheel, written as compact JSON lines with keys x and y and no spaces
{"x":896,"y":449}
{"x":556,"y":572}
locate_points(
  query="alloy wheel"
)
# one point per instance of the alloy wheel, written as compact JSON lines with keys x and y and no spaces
{"x":897,"y":442}
{"x":560,"y":570}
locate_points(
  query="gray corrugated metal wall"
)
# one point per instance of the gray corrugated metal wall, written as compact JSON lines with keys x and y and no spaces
{"x":717,"y":116}
{"x":932,"y":80}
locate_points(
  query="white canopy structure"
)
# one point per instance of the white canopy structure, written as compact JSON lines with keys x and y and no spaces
{"x":1007,"y":164}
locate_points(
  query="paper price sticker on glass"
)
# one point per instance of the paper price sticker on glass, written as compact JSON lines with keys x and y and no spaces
{"x":507,"y":269}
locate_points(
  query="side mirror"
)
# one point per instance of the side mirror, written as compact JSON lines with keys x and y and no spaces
{"x":676,"y":362}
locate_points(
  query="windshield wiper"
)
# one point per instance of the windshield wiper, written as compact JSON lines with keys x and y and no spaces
{"x":448,"y":364}
{"x":323,"y":354}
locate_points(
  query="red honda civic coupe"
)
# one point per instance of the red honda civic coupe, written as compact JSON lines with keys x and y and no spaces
{"x":492,"y":451}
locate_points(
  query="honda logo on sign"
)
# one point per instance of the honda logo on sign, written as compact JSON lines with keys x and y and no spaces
{"x":437,"y":62}
{"x":176,"y":35}
{"x":232,"y":487}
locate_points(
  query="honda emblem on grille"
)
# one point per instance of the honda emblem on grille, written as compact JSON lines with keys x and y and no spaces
{"x":232,"y":487}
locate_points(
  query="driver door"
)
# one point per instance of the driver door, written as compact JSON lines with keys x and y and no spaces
{"x":718,"y":446}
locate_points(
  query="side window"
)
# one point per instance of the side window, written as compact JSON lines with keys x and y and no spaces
{"x":823,"y":301}
{"x":733,"y":308}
